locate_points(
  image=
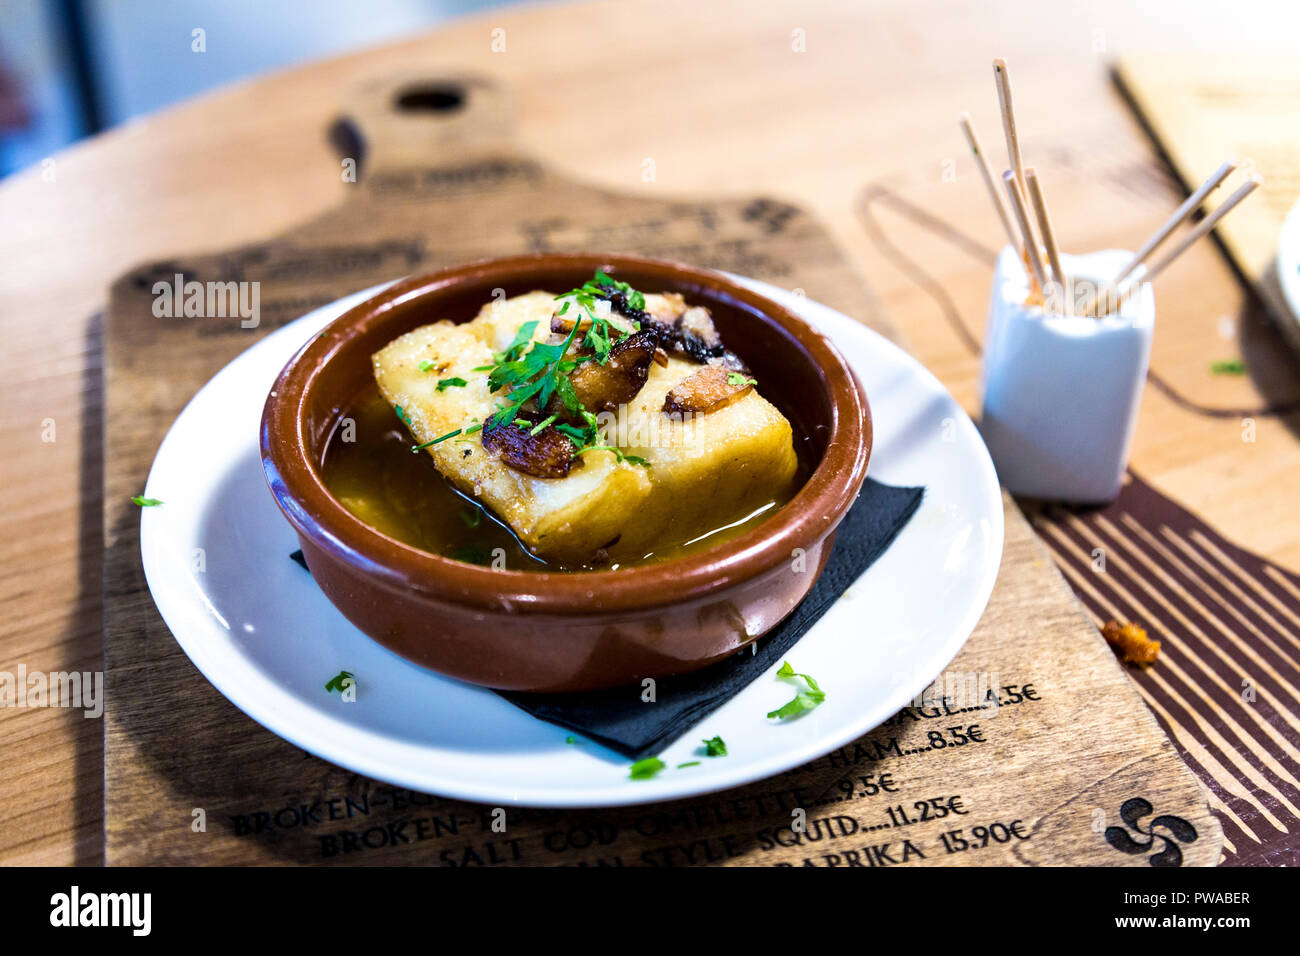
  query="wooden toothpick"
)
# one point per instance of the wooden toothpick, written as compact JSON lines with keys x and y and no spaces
{"x":1203,"y":229}
{"x":1049,"y":237}
{"x":999,"y":201}
{"x":1189,"y":206}
{"x":1003,"y":80}
{"x":1022,"y":217}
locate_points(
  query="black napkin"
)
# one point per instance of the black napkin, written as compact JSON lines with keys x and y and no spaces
{"x":620,"y":720}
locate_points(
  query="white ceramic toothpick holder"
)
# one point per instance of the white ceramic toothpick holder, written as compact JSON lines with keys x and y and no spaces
{"x":1061,"y":392}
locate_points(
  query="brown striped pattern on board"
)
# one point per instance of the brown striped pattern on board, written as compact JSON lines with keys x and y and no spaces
{"x":1227,"y":685}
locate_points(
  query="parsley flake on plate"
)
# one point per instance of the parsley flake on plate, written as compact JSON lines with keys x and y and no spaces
{"x":804,"y":700}
{"x":144,"y":502}
{"x":646,"y":769}
{"x":339,"y":682}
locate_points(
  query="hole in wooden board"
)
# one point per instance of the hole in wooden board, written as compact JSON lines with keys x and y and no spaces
{"x":431,"y":99}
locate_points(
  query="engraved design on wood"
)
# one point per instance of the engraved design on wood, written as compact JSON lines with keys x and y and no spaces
{"x":1133,"y":811}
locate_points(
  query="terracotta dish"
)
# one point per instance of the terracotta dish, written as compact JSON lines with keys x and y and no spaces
{"x":561,"y":631}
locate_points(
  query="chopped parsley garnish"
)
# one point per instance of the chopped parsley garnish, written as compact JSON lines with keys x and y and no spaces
{"x":337,"y":682}
{"x":540,"y":426}
{"x":401,"y":415}
{"x":523,"y":335}
{"x":618,"y":454}
{"x":603,"y":283}
{"x":144,"y":502}
{"x":426,"y":366}
{"x":646,"y":769}
{"x":536,"y":372}
{"x":440,"y":438}
{"x":804,"y":700}
{"x":1228,"y":367}
{"x":533,"y":371}
{"x":716,"y":747}
{"x":536,"y":375}
{"x":735,"y":378}
{"x":570,"y":740}
{"x":586,"y":298}
{"x":689,"y":763}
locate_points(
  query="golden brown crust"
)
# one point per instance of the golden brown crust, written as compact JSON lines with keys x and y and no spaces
{"x":547,"y":454}
{"x":605,"y":387}
{"x":563,"y":324}
{"x":707,"y":390}
{"x":698,"y":323}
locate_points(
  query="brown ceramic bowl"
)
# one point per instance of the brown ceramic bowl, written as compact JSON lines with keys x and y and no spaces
{"x":526,"y":630}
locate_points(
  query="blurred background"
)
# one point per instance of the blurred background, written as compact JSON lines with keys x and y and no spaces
{"x":69,"y":68}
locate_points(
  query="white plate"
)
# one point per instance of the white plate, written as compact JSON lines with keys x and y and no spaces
{"x":259,"y":629}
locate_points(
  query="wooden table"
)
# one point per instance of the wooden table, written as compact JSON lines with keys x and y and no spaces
{"x":721,"y":99}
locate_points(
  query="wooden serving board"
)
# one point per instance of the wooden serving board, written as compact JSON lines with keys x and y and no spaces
{"x":1201,"y":110}
{"x":1062,"y":764}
